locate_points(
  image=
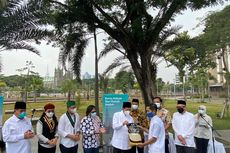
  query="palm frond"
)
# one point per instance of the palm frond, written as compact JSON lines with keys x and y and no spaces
{"x":20,"y":45}
{"x":69,"y":45}
{"x":77,"y":59}
{"x":19,"y":23}
{"x":119,"y":61}
{"x":111,"y":46}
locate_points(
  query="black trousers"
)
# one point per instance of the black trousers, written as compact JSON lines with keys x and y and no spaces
{"x":201,"y":145}
{"x":42,"y":149}
{"x":140,"y":150}
{"x":184,"y":149}
{"x":166,"y":145}
{"x":68,"y":150}
{"x":116,"y":150}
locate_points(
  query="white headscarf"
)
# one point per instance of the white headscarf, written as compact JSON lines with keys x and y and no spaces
{"x":202,"y":109}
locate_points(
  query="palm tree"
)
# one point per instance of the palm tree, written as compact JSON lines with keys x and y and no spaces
{"x":20,"y":23}
{"x":69,"y":87}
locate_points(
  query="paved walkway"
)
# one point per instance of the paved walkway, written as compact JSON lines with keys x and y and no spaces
{"x":225,"y":139}
{"x":35,"y":146}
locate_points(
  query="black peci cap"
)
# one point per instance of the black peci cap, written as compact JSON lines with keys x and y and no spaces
{"x":20,"y":105}
{"x":126,"y":105}
{"x":180,"y":101}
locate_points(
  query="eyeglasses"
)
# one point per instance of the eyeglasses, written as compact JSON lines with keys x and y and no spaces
{"x":93,"y":112}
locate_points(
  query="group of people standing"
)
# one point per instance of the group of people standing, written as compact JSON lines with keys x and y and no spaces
{"x":17,"y":130}
{"x":192,"y":132}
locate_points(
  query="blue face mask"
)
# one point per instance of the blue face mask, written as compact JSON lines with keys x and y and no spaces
{"x":22,"y":115}
{"x":149,"y":114}
{"x":94,"y":114}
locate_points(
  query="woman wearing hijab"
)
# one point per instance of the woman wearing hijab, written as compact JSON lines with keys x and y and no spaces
{"x":91,"y":129}
{"x":47,"y":130}
{"x":202,"y":129}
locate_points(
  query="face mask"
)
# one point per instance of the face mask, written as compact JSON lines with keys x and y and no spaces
{"x":127,"y":112}
{"x":94,"y":114}
{"x":134,"y":107}
{"x":50,"y":114}
{"x":180,"y":110}
{"x":201,"y":112}
{"x":73,"y":110}
{"x":149,"y":114}
{"x":158,"y":105}
{"x":22,"y":115}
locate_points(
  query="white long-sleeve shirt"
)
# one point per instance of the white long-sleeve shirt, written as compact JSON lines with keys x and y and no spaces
{"x":202,"y":128}
{"x":65,"y":128}
{"x":13,"y":134}
{"x":120,"y":134}
{"x":184,"y":125}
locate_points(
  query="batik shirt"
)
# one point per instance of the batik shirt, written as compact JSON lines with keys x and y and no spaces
{"x":139,"y":118}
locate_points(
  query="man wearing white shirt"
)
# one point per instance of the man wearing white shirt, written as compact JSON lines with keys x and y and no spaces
{"x":69,"y":129}
{"x":183,"y":124}
{"x":17,"y":131}
{"x":156,"y":133}
{"x":120,"y":134}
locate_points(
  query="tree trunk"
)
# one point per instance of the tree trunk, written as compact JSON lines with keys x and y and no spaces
{"x":69,"y":96}
{"x":146,"y":76}
{"x":96,"y":91}
{"x":35,"y":94}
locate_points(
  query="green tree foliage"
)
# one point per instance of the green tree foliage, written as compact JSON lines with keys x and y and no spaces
{"x":217,"y":29}
{"x":188,"y":53}
{"x":36,"y":85}
{"x":133,"y":31}
{"x":34,"y":82}
{"x":124,"y":81}
{"x":14,"y":80}
{"x":103,"y":82}
{"x":217,"y":37}
{"x":20,"y":23}
{"x":69,"y":87}
{"x":160,"y":84}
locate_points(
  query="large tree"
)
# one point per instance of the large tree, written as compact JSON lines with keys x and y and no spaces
{"x":186,"y":53}
{"x":135,"y":27}
{"x":216,"y":36}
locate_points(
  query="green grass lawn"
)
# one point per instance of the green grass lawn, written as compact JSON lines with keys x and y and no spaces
{"x":212,"y":109}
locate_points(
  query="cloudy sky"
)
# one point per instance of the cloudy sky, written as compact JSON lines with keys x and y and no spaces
{"x":16,"y":59}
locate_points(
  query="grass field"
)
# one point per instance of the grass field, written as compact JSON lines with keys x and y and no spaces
{"x":212,"y":109}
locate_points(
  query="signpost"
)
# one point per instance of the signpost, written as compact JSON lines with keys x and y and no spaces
{"x":111,"y":103}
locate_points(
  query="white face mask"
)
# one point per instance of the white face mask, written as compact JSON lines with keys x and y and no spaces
{"x":158,"y":105}
{"x":50,"y":114}
{"x":201,"y":111}
{"x":134,"y":107}
{"x":127,"y":112}
{"x":73,"y":110}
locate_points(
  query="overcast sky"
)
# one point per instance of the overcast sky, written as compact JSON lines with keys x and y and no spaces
{"x":12,"y":60}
